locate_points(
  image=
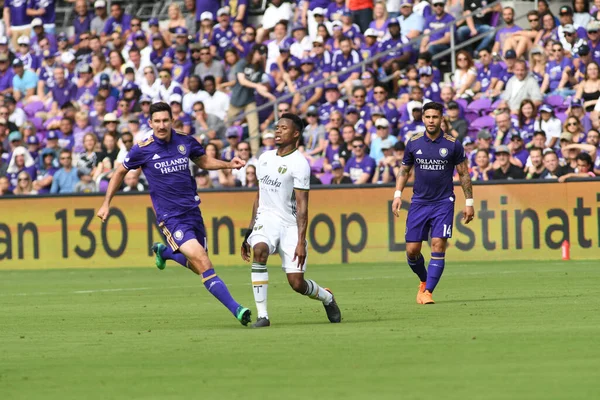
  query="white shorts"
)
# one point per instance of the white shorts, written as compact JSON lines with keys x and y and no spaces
{"x":280,"y":238}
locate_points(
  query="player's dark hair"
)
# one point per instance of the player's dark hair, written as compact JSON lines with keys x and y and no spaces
{"x":358,"y":138}
{"x":539,"y":133}
{"x":432,"y":105}
{"x":160,"y":107}
{"x":585,"y":157}
{"x":348,"y":126}
{"x":296,"y":120}
{"x":166,"y":70}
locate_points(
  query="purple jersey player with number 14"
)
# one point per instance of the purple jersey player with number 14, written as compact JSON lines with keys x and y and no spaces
{"x":434,"y":155}
{"x":164,"y":157}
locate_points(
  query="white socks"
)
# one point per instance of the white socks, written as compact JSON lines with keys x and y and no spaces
{"x":260,"y":283}
{"x":316,"y":292}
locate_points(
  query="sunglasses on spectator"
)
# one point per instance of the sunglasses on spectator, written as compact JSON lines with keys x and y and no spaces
{"x":84,"y":38}
{"x":128,"y":141}
{"x":138,"y":25}
{"x":23,"y":179}
{"x":359,"y":96}
{"x":382,"y":127}
{"x":65,"y":158}
{"x":358,"y":146}
{"x":592,"y":32}
{"x":568,"y":34}
{"x":163,"y":75}
{"x":244,"y":149}
{"x":204,"y":53}
{"x":317,"y":45}
{"x":198,"y":109}
{"x":24,"y":45}
{"x":572,"y":124}
{"x":438,"y":5}
{"x":534,"y":20}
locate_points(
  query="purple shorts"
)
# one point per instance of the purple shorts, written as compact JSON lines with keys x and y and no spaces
{"x":424,"y":218}
{"x":179,"y":229}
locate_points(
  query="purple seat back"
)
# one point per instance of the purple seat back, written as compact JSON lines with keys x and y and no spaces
{"x":326,"y":178}
{"x":32,"y":108}
{"x":483,"y":122}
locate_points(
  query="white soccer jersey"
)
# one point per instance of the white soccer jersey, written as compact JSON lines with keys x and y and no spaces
{"x":277,"y":179}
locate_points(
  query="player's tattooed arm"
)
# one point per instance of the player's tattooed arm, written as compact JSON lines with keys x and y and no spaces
{"x":302,"y":221}
{"x":403,"y":176}
{"x":465,"y":179}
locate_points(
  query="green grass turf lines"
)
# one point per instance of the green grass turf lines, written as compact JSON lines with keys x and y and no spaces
{"x":526,"y":330}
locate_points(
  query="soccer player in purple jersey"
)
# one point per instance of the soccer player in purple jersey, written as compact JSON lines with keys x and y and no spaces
{"x":434,"y":155}
{"x":164,"y":157}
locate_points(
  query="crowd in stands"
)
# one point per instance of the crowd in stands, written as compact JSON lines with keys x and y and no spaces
{"x":523,"y":102}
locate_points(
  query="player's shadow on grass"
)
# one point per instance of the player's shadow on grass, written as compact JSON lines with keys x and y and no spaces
{"x":505,"y":299}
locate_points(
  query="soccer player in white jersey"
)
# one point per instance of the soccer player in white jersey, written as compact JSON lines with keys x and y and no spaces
{"x":280,"y":220}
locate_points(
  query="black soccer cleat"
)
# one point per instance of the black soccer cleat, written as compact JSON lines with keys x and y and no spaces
{"x":333,"y":311}
{"x":261,"y":322}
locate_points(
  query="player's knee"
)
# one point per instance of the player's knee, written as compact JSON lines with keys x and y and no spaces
{"x":297,"y":285}
{"x":261,"y":253}
{"x":413,"y":252}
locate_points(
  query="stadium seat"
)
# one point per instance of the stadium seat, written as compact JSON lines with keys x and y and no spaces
{"x":557,"y":102}
{"x":326,"y":178}
{"x":317,"y":166}
{"x":37,"y":122}
{"x":34,"y":107}
{"x":480,"y":106}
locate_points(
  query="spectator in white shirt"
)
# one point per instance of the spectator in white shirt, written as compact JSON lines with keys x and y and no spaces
{"x":549,"y":124}
{"x":218,"y":102}
{"x":278,"y":10}
{"x":194,"y":95}
{"x":168,"y":86}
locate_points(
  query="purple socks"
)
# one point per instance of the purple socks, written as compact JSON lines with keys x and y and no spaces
{"x":435,"y":270}
{"x":418,"y":267}
{"x":217,"y":288}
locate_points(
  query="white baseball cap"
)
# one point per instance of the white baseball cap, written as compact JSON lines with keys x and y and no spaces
{"x":67,"y":57}
{"x":318,"y":11}
{"x":175,"y":98}
{"x":100,"y":4}
{"x":206,"y":15}
{"x":23,"y":40}
{"x":318,"y":39}
{"x":223,"y":11}
{"x":382,"y":122}
{"x":371,"y":32}
{"x":37,"y":22}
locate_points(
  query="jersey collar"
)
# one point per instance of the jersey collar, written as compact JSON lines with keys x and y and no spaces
{"x":437,"y":140}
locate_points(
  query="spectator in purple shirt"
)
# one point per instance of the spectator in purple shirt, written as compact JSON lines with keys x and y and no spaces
{"x":343,"y":59}
{"x":206,"y":6}
{"x":488,"y":75}
{"x":118,"y":22}
{"x":518,"y":153}
{"x":394,"y":60}
{"x":222,"y":33}
{"x":83,"y":20}
{"x":333,"y":102}
{"x":558,"y":70}
{"x":182,"y":67}
{"x":16,"y":20}
{"x":44,"y":9}
{"x":309,"y":76}
{"x":321,"y":56}
{"x":369,"y":45}
{"x":6,"y":75}
{"x":380,"y":99}
{"x":438,"y":41}
{"x":431,"y":90}
{"x":63,"y":92}
{"x":30,"y":60}
{"x":360,"y":167}
{"x":508,"y":16}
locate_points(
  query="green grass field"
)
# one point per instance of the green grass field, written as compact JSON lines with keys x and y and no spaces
{"x":525,"y":330}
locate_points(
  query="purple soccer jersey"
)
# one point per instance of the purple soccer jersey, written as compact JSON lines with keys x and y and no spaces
{"x":432,"y":207}
{"x":166,"y":167}
{"x":222,"y":39}
{"x":555,"y":69}
{"x":120,"y":26}
{"x":341,"y":63}
{"x":434,"y":163}
{"x":485,"y":75}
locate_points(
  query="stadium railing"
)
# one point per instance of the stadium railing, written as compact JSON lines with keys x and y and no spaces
{"x":361,"y":66}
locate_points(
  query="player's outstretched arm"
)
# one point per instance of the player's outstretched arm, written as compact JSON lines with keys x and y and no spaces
{"x":208,"y":163}
{"x":113,"y":186}
{"x":302,"y":221}
{"x":246,"y":250}
{"x":401,"y":180}
{"x":467,"y":187}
